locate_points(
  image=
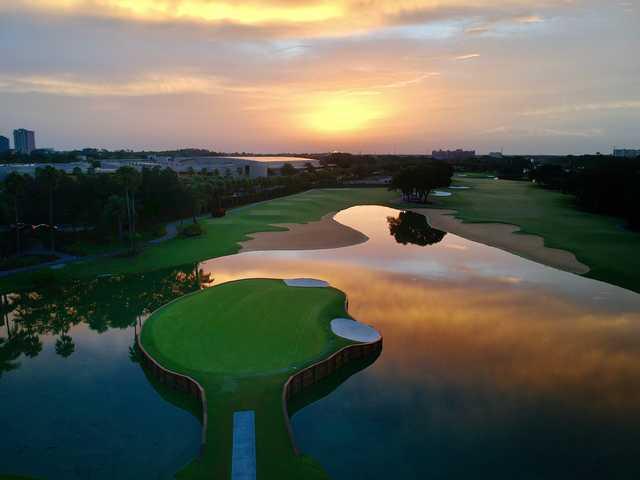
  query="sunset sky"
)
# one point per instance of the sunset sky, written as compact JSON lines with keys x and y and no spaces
{"x":397,"y":76}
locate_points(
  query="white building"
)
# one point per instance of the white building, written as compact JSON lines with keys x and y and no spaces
{"x":626,"y":153}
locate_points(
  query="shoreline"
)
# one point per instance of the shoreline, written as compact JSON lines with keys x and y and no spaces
{"x":327,"y":234}
{"x":505,"y":237}
{"x":322,"y":234}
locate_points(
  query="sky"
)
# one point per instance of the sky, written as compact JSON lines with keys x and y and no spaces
{"x":371,"y":76}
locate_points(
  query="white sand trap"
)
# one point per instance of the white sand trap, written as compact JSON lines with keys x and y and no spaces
{"x":438,"y":193}
{"x":352,"y":330}
{"x":460,"y":188}
{"x":306,"y":283}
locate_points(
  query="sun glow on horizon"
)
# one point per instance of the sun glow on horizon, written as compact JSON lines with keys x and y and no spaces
{"x":345,"y":113}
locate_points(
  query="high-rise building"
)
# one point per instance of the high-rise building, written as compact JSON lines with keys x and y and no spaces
{"x":4,"y":144}
{"x":24,"y":141}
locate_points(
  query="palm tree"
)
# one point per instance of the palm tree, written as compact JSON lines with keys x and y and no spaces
{"x":50,"y":177}
{"x":14,"y":185}
{"x":65,"y":346}
{"x":115,"y":209}
{"x":130,"y":180}
{"x":198,"y":195}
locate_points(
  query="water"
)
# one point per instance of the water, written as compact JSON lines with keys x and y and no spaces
{"x":73,"y":404}
{"x":493,"y":366}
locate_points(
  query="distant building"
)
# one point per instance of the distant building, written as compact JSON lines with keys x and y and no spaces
{"x":24,"y":141}
{"x":626,"y":153}
{"x":496,"y":155}
{"x":454,"y":155}
{"x":4,"y":144}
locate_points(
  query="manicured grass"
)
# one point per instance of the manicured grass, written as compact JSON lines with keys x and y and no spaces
{"x":244,"y":328}
{"x":599,"y":241}
{"x":222,"y":235}
{"x":241,"y":341}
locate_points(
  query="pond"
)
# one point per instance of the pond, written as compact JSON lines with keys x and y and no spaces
{"x":491,"y":364}
{"x":73,"y":402}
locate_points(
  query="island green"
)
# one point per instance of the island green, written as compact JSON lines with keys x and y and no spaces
{"x":241,"y":341}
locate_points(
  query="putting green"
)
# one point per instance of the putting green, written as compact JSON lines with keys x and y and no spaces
{"x":241,"y":341}
{"x":244,"y":328}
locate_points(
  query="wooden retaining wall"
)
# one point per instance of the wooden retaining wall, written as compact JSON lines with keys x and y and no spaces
{"x":176,"y":381}
{"x":311,"y":375}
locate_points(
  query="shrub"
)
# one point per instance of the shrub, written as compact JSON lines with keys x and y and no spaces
{"x":218,"y":212}
{"x":191,"y":230}
{"x":159,"y":231}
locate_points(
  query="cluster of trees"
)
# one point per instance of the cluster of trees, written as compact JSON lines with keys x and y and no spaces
{"x":417,"y":181}
{"x":61,"y":210}
{"x":604,"y":185}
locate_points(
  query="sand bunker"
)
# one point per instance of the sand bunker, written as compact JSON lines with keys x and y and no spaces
{"x":306,"y":283}
{"x":352,"y":330}
{"x":323,"y":234}
{"x":438,"y":193}
{"x":505,"y":237}
{"x":459,"y":188}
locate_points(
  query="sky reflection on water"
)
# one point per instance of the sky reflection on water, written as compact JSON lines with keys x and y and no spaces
{"x":492,"y":364}
{"x":89,"y":412}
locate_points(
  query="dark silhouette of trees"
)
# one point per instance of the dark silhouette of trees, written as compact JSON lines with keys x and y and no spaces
{"x":550,"y":176}
{"x":600,"y":184}
{"x":416,"y":182}
{"x":65,"y":346}
{"x":15,"y":187}
{"x":288,"y":170}
{"x":413,"y":228}
{"x":49,"y":177}
{"x":129,"y":179}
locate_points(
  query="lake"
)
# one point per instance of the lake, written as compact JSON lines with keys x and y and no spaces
{"x":492,"y":365}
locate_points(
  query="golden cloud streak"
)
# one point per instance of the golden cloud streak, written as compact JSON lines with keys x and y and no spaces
{"x":330,"y":15}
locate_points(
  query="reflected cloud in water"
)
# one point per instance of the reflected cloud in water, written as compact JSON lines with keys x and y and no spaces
{"x":486,"y":355}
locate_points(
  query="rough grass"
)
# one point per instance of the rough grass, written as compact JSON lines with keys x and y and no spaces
{"x":221,"y":235}
{"x":599,"y":241}
{"x":241,"y":341}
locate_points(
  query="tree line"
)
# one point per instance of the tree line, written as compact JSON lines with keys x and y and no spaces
{"x":603,"y":185}
{"x":64,"y":210}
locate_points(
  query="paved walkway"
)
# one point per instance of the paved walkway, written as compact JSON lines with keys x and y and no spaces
{"x":172,"y":232}
{"x":243,"y":459}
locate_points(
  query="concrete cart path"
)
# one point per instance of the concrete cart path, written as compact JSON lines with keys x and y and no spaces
{"x":243,"y":460}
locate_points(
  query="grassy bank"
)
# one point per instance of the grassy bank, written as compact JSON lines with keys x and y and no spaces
{"x":599,"y":241}
{"x":241,"y":341}
{"x":221,"y":236}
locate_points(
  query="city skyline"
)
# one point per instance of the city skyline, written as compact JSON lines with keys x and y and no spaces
{"x":552,"y":77}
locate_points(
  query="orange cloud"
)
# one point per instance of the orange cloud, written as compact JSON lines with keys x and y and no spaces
{"x":304,"y":17}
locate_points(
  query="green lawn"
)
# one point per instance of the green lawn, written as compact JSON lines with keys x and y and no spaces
{"x":222,"y":236}
{"x":241,"y":341}
{"x":599,"y":241}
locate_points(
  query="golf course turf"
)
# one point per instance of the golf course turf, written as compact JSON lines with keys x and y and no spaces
{"x":241,"y":341}
{"x":599,"y":241}
{"x":221,"y":236}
